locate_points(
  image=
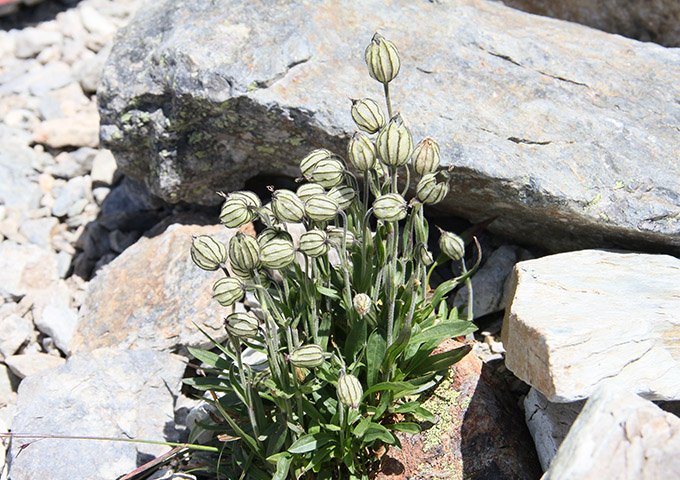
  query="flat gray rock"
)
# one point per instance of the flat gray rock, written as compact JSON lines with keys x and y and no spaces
{"x":107,"y":393}
{"x":564,"y":133}
{"x":618,"y":435}
{"x":577,"y":319}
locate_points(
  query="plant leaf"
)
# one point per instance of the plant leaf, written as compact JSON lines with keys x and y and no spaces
{"x":406,"y":427}
{"x":443,"y":330}
{"x":310,"y":442}
{"x":375,"y":352}
{"x":440,"y":361}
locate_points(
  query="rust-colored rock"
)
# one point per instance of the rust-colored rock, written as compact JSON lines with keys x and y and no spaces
{"x":479,"y":433}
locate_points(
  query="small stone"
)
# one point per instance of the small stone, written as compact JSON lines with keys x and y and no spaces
{"x":28,"y":364}
{"x":78,"y":130}
{"x":67,"y":166}
{"x":100,"y":194}
{"x":95,"y":22}
{"x":46,"y":182}
{"x":50,"y":108}
{"x":14,"y":333}
{"x":49,"y":55}
{"x":25,"y":268}
{"x":39,"y":231}
{"x":59,"y":322}
{"x":104,"y":168}
{"x":77,"y":207}
{"x":75,"y":189}
{"x":64,"y":260}
{"x":88,"y":70}
{"x":52,"y":76}
{"x":21,"y":118}
{"x":7,"y":393}
{"x":31,"y":41}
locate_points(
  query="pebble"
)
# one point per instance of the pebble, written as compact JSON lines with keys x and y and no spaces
{"x":27,"y":364}
{"x":15,"y":332}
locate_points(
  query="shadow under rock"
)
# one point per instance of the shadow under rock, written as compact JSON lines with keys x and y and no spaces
{"x":31,"y":15}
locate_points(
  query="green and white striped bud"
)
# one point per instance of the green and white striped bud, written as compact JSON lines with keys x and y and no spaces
{"x":343,"y":194}
{"x":267,"y":215}
{"x":390,"y":207}
{"x":271,"y":233}
{"x":307,"y":356}
{"x":328,"y":172}
{"x":361,"y":152}
{"x":277,"y":253}
{"x":321,"y":208}
{"x":423,"y":255}
{"x":308,"y":164}
{"x":249,"y":197}
{"x":207,"y":253}
{"x":429,"y":191}
{"x":350,"y":391}
{"x":335,"y":235}
{"x":362,"y":304}
{"x":229,"y":290}
{"x":242,"y":325}
{"x":244,"y":252}
{"x":236,"y":212}
{"x":367,"y":115}
{"x":382,"y":59}
{"x":394,"y":143}
{"x":452,"y":245}
{"x":425,"y":156}
{"x":308,"y":189}
{"x":287,"y":207}
{"x":244,"y":275}
{"x":314,"y":243}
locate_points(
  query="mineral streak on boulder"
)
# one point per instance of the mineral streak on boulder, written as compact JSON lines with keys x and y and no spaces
{"x":580,"y":318}
{"x":567,"y":134}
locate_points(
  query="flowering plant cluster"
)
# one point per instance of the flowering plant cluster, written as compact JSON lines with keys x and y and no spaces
{"x":348,"y":324}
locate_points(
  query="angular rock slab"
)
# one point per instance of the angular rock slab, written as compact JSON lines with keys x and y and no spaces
{"x":566,"y":134}
{"x":152,"y":294}
{"x":579,"y":318}
{"x":618,"y":435}
{"x":107,"y":393}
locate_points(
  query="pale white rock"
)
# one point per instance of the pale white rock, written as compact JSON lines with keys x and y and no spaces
{"x":103,"y":167}
{"x":25,"y":268}
{"x":52,"y":76}
{"x":95,"y":22}
{"x":31,"y":41}
{"x":88,"y":70}
{"x":619,"y":435}
{"x":49,"y":54}
{"x":75,"y":189}
{"x":79,"y":130}
{"x":21,"y":118}
{"x":548,"y":423}
{"x":64,"y":260}
{"x":579,"y":318}
{"x":14,"y":332}
{"x":39,"y":231}
{"x":7,"y":393}
{"x":27,"y":364}
{"x":59,"y":322}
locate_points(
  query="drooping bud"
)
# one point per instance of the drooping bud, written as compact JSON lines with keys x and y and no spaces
{"x":328,"y":172}
{"x":367,"y":115}
{"x":343,"y":194}
{"x":235,"y":212}
{"x":314,"y":243}
{"x":308,"y":189}
{"x":287,"y":207}
{"x":425,"y":156}
{"x":321,"y":208}
{"x":267,"y":215}
{"x":361,"y":152}
{"x":271,"y":233}
{"x":382,"y":58}
{"x":242,"y":325}
{"x":308,"y":163}
{"x":244,"y":252}
{"x":452,"y":245}
{"x":394,"y":143}
{"x":362,"y":304}
{"x":207,"y":253}
{"x":429,"y":191}
{"x":277,"y":253}
{"x":249,"y":197}
{"x":308,"y":356}
{"x":423,"y":255}
{"x":335,"y":235}
{"x":228,"y":291}
{"x":350,"y":391}
{"x":390,"y":207}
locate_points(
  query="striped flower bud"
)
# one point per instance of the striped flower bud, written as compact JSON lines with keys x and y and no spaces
{"x":277,"y":253}
{"x":308,"y":164}
{"x":394,"y":143}
{"x":228,"y":291}
{"x":244,"y":275}
{"x":287,"y":207}
{"x":207,"y":253}
{"x":367,"y":115}
{"x":423,"y":255}
{"x":343,"y":194}
{"x":235,"y":212}
{"x":328,"y":172}
{"x":335,"y":235}
{"x":242,"y":325}
{"x":361,"y":152}
{"x":350,"y":391}
{"x":244,"y":252}
{"x":250,"y":198}
{"x":390,"y":207}
{"x":308,"y":189}
{"x":362,"y":304}
{"x":382,"y":58}
{"x":429,"y":191}
{"x":308,"y":356}
{"x":267,"y":215}
{"x":425,"y":156}
{"x":321,"y":208}
{"x":314,"y":243}
{"x":271,"y":233}
{"x":452,"y":245}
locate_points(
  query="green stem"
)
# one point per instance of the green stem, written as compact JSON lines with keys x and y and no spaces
{"x":386,"y":87}
{"x":246,"y":387}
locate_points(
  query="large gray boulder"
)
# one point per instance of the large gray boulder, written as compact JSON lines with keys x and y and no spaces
{"x":566,"y":134}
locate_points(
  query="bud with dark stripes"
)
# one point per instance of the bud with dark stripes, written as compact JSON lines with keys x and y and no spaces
{"x":249,"y":197}
{"x":207,"y":253}
{"x":361,"y":152}
{"x":367,"y":115}
{"x":328,"y":172}
{"x":321,"y":208}
{"x":390,"y":207}
{"x":235,"y":212}
{"x":382,"y":59}
{"x":308,"y":356}
{"x":452,"y":245}
{"x":335,"y":235}
{"x":425,"y":156}
{"x":228,"y":291}
{"x":244,"y":252}
{"x":308,"y":189}
{"x":242,"y":325}
{"x":394,"y":143}
{"x":277,"y":253}
{"x":314,"y":243}
{"x":429,"y":191}
{"x":287,"y":206}
{"x":343,"y":194}
{"x":270,"y":233}
{"x":308,"y":163}
{"x":350,"y":391}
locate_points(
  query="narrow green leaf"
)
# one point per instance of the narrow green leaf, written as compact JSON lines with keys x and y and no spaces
{"x":406,"y":427}
{"x":396,"y":348}
{"x":310,"y":442}
{"x":424,"y":414}
{"x":282,"y":466}
{"x":375,"y":432}
{"x":362,"y":426}
{"x":355,"y":340}
{"x":375,"y":352}
{"x":440,"y":361}
{"x":443,"y":330}
{"x":328,"y":292}
{"x":210,"y":358}
{"x":390,"y":386}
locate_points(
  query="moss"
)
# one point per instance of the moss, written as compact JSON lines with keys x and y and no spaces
{"x":126,"y":117}
{"x":295,"y":141}
{"x":265,"y":149}
{"x":440,"y":406}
